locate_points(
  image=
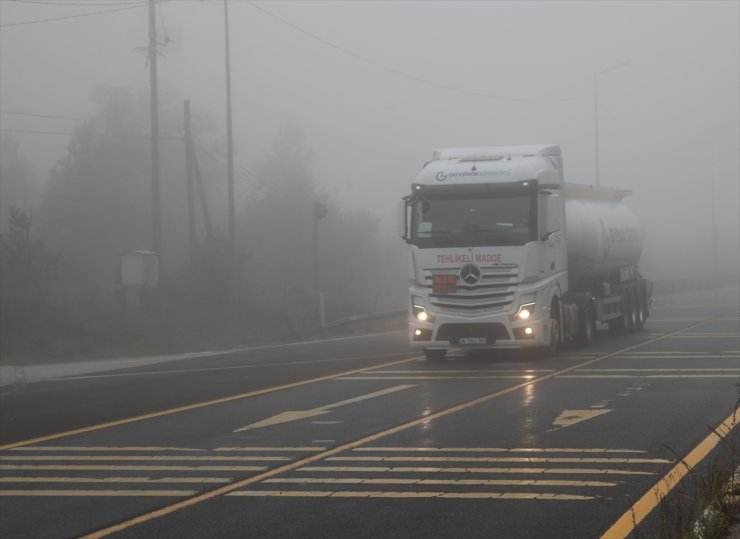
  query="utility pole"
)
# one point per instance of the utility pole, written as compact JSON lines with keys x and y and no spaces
{"x":319,"y":212}
{"x":154,"y":108}
{"x":596,"y":112}
{"x":230,"y":161}
{"x":189,"y":165}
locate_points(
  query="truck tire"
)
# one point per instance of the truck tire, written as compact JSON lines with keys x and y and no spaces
{"x":643,"y":312}
{"x":636,"y":310}
{"x":587,"y":326}
{"x":630,"y":312}
{"x":556,"y":336}
{"x":619,"y":326}
{"x":435,"y":355}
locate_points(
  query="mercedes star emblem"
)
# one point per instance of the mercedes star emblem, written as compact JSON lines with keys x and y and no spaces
{"x":470,"y":274}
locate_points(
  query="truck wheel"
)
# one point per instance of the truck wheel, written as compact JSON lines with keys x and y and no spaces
{"x":636,"y":310}
{"x":587,"y":328}
{"x":618,"y":326}
{"x":555,"y":342}
{"x":629,"y":313}
{"x":435,"y":354}
{"x":642,"y":312}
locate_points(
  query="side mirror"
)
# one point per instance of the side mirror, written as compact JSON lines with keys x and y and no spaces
{"x":402,"y":220}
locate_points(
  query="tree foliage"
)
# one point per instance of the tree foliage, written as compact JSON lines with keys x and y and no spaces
{"x":17,"y":184}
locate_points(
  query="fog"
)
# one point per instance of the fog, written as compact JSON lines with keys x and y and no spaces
{"x":375,"y":87}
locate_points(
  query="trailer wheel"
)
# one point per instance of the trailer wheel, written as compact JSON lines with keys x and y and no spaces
{"x":629,"y":313}
{"x":642,"y":312}
{"x":620,"y":326}
{"x":587,"y":326}
{"x":435,"y":354}
{"x":635,"y":311}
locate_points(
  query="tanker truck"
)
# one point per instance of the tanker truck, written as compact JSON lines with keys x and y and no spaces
{"x":505,"y":254}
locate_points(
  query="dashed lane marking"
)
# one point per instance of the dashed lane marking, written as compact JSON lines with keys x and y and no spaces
{"x":498,"y":449}
{"x":128,"y":458}
{"x":154,"y":449}
{"x":100,"y":448}
{"x":649,"y":376}
{"x":95,"y":467}
{"x":440,"y":469}
{"x":561,"y":460}
{"x":404,"y":494}
{"x":420,"y":377}
{"x":98,"y":493}
{"x":147,"y":480}
{"x":442,"y":482}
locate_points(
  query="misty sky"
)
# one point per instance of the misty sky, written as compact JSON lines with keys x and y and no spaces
{"x":377,"y":86}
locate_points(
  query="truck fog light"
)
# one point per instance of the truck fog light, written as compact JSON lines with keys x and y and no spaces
{"x":528,"y":331}
{"x":417,"y":332}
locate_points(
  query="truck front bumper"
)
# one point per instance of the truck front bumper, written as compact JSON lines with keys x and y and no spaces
{"x":480,"y":332}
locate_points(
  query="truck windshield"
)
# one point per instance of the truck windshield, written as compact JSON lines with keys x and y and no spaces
{"x":467,"y":222}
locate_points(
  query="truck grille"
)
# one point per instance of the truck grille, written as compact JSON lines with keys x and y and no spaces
{"x":494,"y":292}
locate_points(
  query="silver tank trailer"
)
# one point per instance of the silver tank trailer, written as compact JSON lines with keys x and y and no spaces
{"x":602,"y":233}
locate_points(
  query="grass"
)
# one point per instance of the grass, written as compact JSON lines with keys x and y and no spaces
{"x":707,"y":503}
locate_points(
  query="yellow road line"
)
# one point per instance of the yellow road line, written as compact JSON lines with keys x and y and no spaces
{"x":378,"y":494}
{"x":127,"y":458}
{"x":678,"y":356}
{"x":306,"y":448}
{"x":650,"y":500}
{"x":497,"y":450}
{"x":208,"y":369}
{"x":437,"y":469}
{"x":649,"y":376}
{"x":587,"y":460}
{"x":146,"y":517}
{"x":420,"y":377}
{"x":37,"y":479}
{"x":463,"y":371}
{"x":100,"y":448}
{"x":97,"y":493}
{"x":132,"y":468}
{"x":463,"y":482}
{"x":196,"y":406}
{"x":697,"y":369}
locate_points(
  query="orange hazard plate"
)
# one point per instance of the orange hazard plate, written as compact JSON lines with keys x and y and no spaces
{"x":444,"y":284}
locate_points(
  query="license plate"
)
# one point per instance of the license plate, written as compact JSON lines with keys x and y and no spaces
{"x":472,"y":340}
{"x":444,"y":284}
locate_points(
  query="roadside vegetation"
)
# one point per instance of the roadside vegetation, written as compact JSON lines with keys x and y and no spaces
{"x":706,"y":505}
{"x":60,"y":245}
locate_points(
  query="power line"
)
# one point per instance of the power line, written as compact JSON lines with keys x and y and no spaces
{"x":245,"y":172}
{"x":90,"y":14}
{"x":248,"y":172}
{"x":398,"y":72}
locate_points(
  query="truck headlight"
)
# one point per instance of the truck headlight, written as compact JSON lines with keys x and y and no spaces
{"x":421,"y":314}
{"x":525,"y":311}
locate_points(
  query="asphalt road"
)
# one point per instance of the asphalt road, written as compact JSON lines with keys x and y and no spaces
{"x":360,"y":437}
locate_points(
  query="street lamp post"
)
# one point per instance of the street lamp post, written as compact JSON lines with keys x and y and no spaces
{"x":596,"y":112}
{"x":319,"y":212}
